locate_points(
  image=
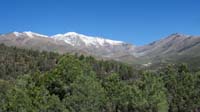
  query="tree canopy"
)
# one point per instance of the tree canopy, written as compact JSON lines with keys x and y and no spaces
{"x":49,"y":82}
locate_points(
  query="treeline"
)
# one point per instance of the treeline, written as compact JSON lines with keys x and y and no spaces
{"x":83,"y":84}
{"x":17,"y":61}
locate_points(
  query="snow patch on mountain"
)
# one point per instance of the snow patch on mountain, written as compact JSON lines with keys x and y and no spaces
{"x":28,"y":33}
{"x":32,"y":34}
{"x":16,"y":34}
{"x":74,"y":38}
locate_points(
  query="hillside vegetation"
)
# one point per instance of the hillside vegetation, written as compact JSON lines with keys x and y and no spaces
{"x":33,"y":81}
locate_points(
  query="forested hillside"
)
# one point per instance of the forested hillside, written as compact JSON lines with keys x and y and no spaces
{"x":33,"y":81}
{"x":15,"y":61}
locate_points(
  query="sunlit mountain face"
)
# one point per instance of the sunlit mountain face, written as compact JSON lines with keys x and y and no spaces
{"x":172,"y":48}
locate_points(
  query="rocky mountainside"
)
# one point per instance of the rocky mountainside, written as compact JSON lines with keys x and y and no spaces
{"x":78,"y":40}
{"x":34,"y":41}
{"x":174,"y":44}
{"x":69,"y":43}
{"x":174,"y":48}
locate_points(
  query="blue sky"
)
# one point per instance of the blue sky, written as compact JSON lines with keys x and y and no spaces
{"x":134,"y":21}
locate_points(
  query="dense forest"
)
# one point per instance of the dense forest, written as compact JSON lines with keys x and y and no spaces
{"x":33,"y":81}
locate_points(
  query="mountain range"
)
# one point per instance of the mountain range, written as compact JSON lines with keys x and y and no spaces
{"x":174,"y":48}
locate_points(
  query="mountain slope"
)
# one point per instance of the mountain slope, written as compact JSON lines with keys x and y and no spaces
{"x":176,"y":48}
{"x":175,"y":43}
{"x":172,"y":49}
{"x":34,"y":41}
{"x":94,"y":45}
{"x":69,"y":43}
{"x":76,"y":39}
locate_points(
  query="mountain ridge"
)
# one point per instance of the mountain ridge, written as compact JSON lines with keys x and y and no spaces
{"x":173,"y":47}
{"x":68,"y":43}
{"x":88,"y":40}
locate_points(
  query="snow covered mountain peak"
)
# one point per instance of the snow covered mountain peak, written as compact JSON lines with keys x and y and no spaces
{"x":71,"y":33}
{"x":32,"y":34}
{"x":28,"y":33}
{"x":16,"y":33}
{"x":76,"y":39}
